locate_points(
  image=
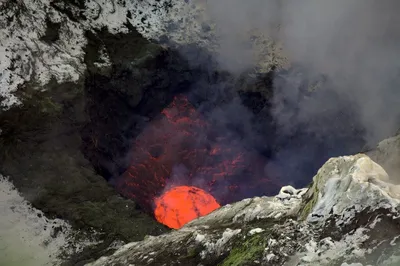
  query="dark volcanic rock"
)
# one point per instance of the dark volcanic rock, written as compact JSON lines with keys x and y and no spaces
{"x":43,"y":139}
{"x":142,"y":81}
{"x":41,"y":154}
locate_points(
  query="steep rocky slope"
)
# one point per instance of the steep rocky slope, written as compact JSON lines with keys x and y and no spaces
{"x":349,"y":214}
{"x":50,"y":54}
{"x":43,"y":42}
{"x":58,"y":61}
{"x":78,"y":80}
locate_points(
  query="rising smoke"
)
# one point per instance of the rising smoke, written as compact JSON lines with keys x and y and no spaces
{"x":355,"y":44}
{"x":340,"y":92}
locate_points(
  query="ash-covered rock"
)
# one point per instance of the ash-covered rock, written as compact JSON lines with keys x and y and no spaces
{"x":50,"y":49}
{"x":348,"y":215}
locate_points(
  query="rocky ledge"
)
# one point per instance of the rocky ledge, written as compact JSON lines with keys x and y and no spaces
{"x":349,"y":215}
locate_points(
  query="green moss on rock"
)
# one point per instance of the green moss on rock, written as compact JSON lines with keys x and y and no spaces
{"x":247,"y":252}
{"x":311,"y":199}
{"x":331,"y":167}
{"x":312,"y":195}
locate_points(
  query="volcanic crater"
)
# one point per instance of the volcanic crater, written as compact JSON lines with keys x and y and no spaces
{"x":196,"y":137}
{"x":181,"y":147}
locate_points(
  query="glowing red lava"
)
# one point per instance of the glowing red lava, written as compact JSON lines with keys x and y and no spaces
{"x":182,"y":204}
{"x":213,"y":161}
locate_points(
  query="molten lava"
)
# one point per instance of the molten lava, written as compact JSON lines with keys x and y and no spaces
{"x":182,"y":204}
{"x":181,"y":147}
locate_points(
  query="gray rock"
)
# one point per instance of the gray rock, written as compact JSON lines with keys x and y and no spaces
{"x":345,"y":213}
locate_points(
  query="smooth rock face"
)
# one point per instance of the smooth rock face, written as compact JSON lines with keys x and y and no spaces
{"x":350,"y":216}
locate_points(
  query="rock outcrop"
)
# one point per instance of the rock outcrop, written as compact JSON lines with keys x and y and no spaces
{"x":51,"y":51}
{"x":350,"y":214}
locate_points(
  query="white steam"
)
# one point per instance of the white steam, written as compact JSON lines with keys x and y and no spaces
{"x":352,"y":48}
{"x":356,"y":44}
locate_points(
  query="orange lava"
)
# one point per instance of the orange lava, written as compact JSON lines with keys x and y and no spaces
{"x":212,"y":159}
{"x":182,"y":204}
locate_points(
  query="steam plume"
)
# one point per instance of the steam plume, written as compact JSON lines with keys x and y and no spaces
{"x":355,"y":44}
{"x":341,"y":90}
